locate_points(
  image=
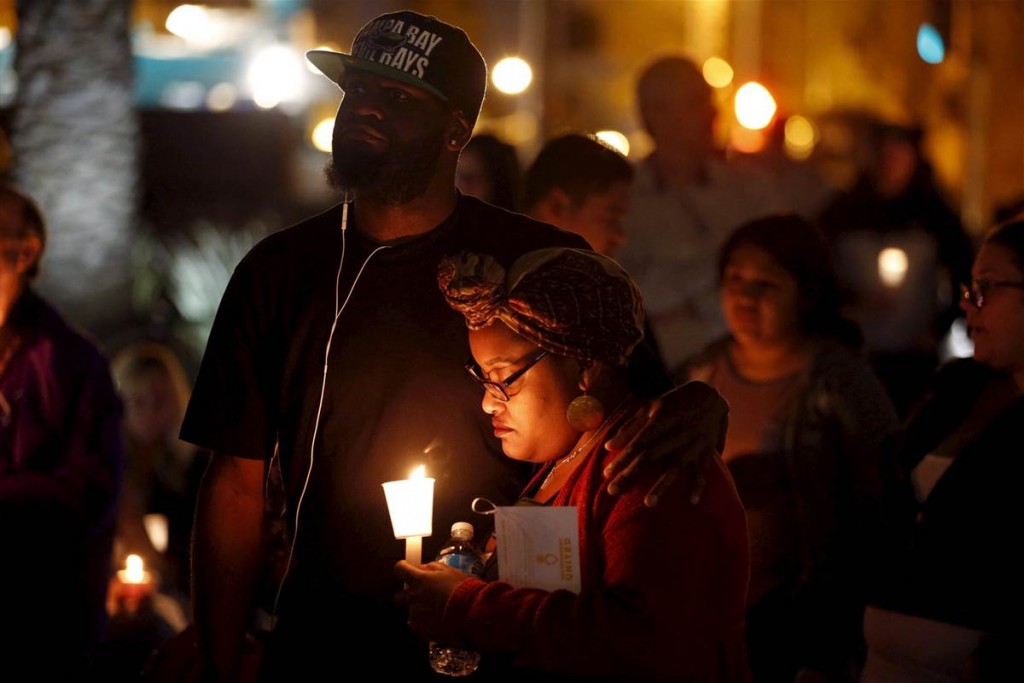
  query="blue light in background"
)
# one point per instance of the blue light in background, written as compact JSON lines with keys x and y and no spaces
{"x":8,"y":80}
{"x":929,"y":44}
{"x":152,"y":75}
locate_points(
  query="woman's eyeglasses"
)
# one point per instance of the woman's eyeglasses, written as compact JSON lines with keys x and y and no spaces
{"x":499,"y":389}
{"x":976,"y":292}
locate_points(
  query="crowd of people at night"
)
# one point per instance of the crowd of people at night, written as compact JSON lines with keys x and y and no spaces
{"x":779,"y":473}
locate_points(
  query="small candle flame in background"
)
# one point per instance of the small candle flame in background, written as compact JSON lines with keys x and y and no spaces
{"x":134,"y":571}
{"x":130,"y":587}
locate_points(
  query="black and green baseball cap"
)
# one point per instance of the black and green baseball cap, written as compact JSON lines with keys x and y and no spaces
{"x":417,"y":49}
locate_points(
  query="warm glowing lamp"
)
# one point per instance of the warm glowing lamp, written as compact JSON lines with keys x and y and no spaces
{"x":411,"y":506}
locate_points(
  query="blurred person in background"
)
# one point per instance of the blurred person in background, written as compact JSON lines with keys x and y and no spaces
{"x":687,"y":198}
{"x":61,"y":468}
{"x":808,"y":421}
{"x":946,"y":606}
{"x":900,"y":252}
{"x":163,"y":472}
{"x":156,"y":510}
{"x":580,"y":184}
{"x":489,"y":169}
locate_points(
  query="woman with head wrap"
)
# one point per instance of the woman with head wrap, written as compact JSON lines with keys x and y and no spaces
{"x":662,"y":588}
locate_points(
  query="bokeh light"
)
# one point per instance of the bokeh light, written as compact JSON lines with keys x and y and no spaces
{"x":323,"y":133}
{"x":275,"y":76}
{"x":892,"y":266}
{"x":754,"y":106}
{"x":614,"y":139}
{"x":191,"y":23}
{"x":183,"y":95}
{"x":512,"y":75}
{"x":717,"y":72}
{"x":929,"y":44}
{"x":222,"y":96}
{"x":800,"y":137}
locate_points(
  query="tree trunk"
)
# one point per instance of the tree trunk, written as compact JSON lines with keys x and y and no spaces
{"x":75,"y":139}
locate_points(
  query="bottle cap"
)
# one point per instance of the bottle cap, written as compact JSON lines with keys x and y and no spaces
{"x":462,"y":529}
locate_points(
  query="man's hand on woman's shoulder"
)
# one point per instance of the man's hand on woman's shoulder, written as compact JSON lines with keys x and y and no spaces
{"x":683,"y":427}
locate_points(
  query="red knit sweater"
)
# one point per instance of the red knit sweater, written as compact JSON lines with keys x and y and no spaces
{"x":663,"y":589}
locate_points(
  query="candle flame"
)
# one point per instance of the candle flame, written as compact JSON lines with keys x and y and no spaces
{"x":134,"y":571}
{"x":419,"y":473}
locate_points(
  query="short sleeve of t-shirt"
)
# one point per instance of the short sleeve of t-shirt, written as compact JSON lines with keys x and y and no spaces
{"x":228,"y":409}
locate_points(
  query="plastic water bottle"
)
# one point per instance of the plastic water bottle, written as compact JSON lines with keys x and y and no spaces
{"x":459,"y":552}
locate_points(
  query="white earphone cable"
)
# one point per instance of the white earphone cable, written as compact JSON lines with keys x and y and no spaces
{"x":338,"y":309}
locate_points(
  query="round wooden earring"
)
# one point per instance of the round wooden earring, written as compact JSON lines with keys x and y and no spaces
{"x":585,"y":413}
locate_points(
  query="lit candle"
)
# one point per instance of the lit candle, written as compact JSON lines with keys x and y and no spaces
{"x":411,"y":506}
{"x":135,"y":581}
{"x":134,"y":571}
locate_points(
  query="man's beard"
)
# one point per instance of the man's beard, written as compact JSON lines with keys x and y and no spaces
{"x":395,"y":176}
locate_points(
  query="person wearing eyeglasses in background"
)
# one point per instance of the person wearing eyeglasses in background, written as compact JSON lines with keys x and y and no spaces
{"x":662,"y":588}
{"x":946,"y":601}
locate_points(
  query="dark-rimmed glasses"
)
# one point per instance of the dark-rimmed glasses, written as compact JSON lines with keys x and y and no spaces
{"x":499,"y":389}
{"x":975,"y":292}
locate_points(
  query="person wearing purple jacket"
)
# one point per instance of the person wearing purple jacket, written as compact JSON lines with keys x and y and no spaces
{"x":61,"y":467}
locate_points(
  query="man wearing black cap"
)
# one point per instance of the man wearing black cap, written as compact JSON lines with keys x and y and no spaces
{"x":333,"y":348}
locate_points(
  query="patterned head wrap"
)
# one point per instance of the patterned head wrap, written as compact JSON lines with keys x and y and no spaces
{"x":570,"y":302}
